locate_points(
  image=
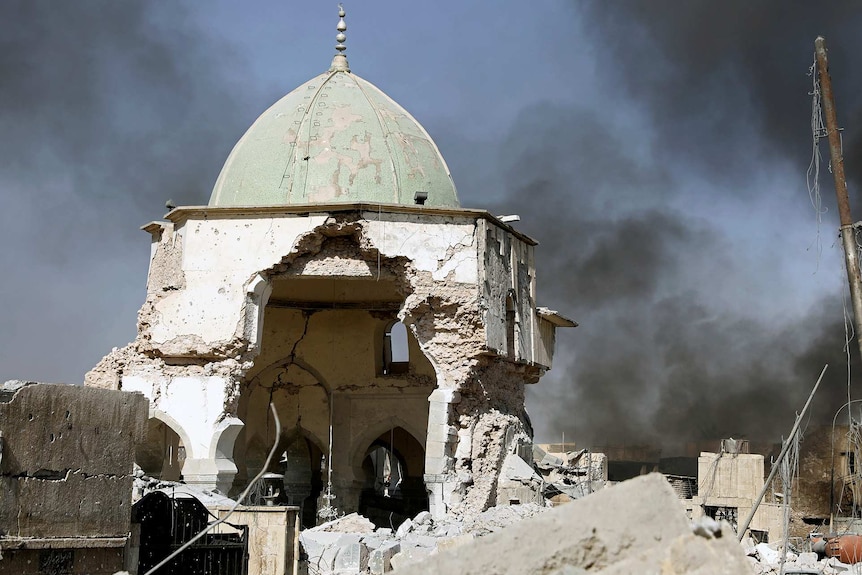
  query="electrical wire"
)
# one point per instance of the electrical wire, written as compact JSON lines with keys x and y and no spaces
{"x":812,"y":175}
{"x":238,"y":502}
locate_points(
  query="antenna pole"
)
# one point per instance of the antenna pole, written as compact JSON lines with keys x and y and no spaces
{"x":848,"y":232}
{"x":784,"y":449}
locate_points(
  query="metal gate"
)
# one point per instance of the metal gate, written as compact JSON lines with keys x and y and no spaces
{"x":168,"y":522}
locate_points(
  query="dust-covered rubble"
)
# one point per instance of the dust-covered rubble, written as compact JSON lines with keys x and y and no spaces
{"x":765,"y":559}
{"x":637,"y":526}
{"x":351,"y":544}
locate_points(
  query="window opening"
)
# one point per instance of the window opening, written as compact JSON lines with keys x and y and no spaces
{"x":396,"y":351}
{"x":510,"y":327}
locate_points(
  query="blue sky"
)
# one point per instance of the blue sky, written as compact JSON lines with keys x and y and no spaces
{"x":658,"y":155}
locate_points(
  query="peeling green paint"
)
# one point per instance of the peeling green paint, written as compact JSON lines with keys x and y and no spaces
{"x":335,"y":139}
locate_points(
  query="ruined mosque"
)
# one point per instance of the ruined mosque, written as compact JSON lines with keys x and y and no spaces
{"x":335,"y":274}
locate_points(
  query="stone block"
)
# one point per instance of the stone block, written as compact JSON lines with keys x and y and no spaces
{"x":422,"y":518}
{"x":445,"y":396}
{"x":438,"y":416}
{"x":320,"y":548}
{"x":808,"y":558}
{"x":380,"y":560}
{"x":404,"y":528}
{"x":435,"y":449}
{"x":351,"y":558}
{"x":419,"y":540}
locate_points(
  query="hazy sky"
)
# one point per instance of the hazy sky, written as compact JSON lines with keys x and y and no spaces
{"x":656,"y":149}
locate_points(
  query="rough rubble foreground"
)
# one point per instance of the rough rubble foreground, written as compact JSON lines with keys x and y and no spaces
{"x":635,"y":527}
{"x":766,"y":560}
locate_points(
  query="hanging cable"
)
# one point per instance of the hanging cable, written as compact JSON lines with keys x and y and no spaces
{"x":238,"y":502}
{"x":812,"y":175}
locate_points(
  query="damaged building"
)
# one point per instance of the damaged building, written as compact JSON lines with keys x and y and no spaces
{"x":335,"y":275}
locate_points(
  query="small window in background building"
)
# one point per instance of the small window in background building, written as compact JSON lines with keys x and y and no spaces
{"x":396,"y":352}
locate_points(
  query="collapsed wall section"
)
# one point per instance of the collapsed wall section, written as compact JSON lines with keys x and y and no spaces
{"x":467,"y":294}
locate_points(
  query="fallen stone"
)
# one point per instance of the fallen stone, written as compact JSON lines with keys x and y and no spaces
{"x":808,"y":558}
{"x":320,"y":548}
{"x":374,"y":541}
{"x":380,"y":560}
{"x":353,"y":523}
{"x":422,"y":518}
{"x":767,"y":554}
{"x":417,"y":540}
{"x":637,"y":526}
{"x":351,"y":557}
{"x":404,"y":528}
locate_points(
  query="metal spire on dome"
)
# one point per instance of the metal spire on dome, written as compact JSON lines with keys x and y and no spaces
{"x":339,"y":62}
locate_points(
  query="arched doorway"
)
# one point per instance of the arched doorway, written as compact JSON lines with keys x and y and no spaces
{"x":162,"y":453}
{"x":394,"y":489}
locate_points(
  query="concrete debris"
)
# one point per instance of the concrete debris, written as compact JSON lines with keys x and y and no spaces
{"x":635,"y":527}
{"x":570,"y":475}
{"x":353,"y":523}
{"x":350,"y":544}
{"x":765,"y":559}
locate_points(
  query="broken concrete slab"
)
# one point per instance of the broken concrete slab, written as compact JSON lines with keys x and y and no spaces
{"x":639,"y":523}
{"x":351,"y":556}
{"x":380,"y":560}
{"x":68,"y":453}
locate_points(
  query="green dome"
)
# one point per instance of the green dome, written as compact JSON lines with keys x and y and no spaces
{"x":335,"y":139}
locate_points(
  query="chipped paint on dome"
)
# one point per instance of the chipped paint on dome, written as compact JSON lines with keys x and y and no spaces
{"x":335,"y":139}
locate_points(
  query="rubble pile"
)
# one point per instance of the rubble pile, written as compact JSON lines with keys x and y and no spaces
{"x":575,"y":475}
{"x":635,"y":527}
{"x":765,"y":559}
{"x":352,"y":544}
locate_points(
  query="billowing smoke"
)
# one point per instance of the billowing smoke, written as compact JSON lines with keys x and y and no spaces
{"x":679,"y":338}
{"x":690,"y":327}
{"x":107,"y":110}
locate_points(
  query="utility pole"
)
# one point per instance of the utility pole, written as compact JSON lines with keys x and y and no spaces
{"x":848,"y":232}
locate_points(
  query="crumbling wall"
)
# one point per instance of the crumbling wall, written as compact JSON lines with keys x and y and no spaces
{"x":201,"y":328}
{"x":67,"y":459}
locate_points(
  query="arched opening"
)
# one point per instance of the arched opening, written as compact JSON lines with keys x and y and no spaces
{"x":334,"y":360}
{"x":162,"y":453}
{"x":294,"y":476}
{"x":302,"y":476}
{"x":511,"y":319}
{"x":396,"y":349}
{"x":393,"y":489}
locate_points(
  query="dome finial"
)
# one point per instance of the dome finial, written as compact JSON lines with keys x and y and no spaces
{"x":340,"y":37}
{"x":339,"y":62}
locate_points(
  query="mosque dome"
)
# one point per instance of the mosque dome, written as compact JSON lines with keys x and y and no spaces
{"x":335,"y":139}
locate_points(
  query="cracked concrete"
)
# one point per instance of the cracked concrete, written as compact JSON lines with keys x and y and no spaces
{"x":247,"y":307}
{"x":67,"y":460}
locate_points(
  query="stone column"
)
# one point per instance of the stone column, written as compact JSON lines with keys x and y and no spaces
{"x":440,"y":444}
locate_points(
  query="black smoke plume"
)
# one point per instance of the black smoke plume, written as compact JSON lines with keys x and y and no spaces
{"x":669,"y":350}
